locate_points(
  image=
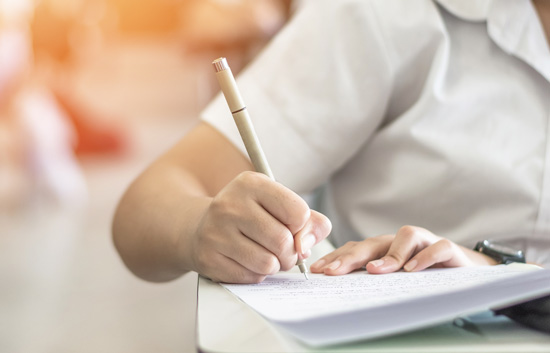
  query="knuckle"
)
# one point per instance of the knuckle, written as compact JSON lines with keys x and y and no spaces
{"x":244,"y":176}
{"x":296,"y":212}
{"x":219,"y":205}
{"x":250,"y":178}
{"x":323,"y":220}
{"x":304,"y":213}
{"x":225,"y":210}
{"x":351,"y":244}
{"x":288,"y":262}
{"x":408,"y":231}
{"x":382,"y":239}
{"x":300,"y":213}
{"x":268,"y":265}
{"x":446,"y":243}
{"x":285,"y":241}
{"x":243,"y":275}
{"x":255,"y":278}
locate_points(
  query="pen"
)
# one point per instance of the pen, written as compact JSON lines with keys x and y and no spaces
{"x":244,"y":125}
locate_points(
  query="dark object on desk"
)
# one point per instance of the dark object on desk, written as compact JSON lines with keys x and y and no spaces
{"x":534,"y":314}
{"x":501,"y":253}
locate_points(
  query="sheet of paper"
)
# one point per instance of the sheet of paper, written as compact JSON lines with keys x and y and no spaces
{"x":289,"y":297}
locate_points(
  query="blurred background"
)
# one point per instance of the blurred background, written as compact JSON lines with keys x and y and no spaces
{"x":91,"y":92}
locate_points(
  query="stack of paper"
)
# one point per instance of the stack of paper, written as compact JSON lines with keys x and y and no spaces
{"x":329,"y":310}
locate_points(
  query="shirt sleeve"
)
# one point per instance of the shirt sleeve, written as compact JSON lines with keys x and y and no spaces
{"x":316,"y":94}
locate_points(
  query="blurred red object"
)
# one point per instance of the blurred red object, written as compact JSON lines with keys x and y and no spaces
{"x":92,"y":138}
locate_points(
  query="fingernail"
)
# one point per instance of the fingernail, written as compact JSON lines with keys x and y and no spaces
{"x":377,"y":263}
{"x":410,"y":265}
{"x":307,"y":242}
{"x":318,"y":263}
{"x":334,"y":265}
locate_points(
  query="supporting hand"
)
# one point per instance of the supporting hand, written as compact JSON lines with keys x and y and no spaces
{"x":411,"y":248}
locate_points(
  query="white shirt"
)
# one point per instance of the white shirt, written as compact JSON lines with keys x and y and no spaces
{"x":412,"y":112}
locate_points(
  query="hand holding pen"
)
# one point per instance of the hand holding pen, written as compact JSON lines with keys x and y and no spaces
{"x":257,"y":225}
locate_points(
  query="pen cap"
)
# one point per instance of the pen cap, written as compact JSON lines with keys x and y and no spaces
{"x":228,"y":85}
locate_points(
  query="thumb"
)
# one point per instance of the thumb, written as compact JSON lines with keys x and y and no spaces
{"x":317,"y":228}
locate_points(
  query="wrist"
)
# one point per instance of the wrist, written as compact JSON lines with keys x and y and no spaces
{"x":187,"y":244}
{"x":483,"y":260}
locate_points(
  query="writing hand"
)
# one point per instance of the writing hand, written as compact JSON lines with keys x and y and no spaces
{"x":411,"y":248}
{"x":252,"y":228}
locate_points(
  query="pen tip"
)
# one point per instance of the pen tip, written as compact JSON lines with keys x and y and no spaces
{"x":303,"y":268}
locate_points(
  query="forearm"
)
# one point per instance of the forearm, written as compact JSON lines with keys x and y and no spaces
{"x":155,"y":219}
{"x":201,"y":208}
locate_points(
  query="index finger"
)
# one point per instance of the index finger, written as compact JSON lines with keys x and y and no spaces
{"x":281,"y":202}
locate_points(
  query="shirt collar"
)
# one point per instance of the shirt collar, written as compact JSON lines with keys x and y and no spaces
{"x":513,"y":25}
